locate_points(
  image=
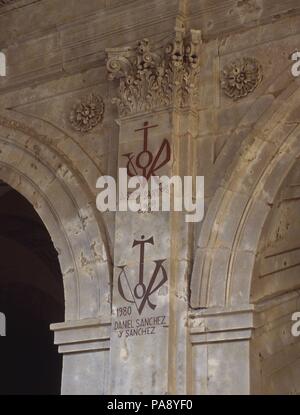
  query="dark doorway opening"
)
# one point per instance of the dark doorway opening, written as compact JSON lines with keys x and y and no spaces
{"x":31,"y":297}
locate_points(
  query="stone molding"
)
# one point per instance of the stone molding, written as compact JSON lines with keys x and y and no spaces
{"x":82,"y":335}
{"x":221,"y":324}
{"x":6,"y":2}
{"x":9,"y":5}
{"x":150,"y":78}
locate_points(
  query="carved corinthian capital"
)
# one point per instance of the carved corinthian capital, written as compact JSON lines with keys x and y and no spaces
{"x":151,"y":79}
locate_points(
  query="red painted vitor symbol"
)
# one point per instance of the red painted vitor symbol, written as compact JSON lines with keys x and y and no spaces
{"x":146,"y":163}
{"x":140,"y":294}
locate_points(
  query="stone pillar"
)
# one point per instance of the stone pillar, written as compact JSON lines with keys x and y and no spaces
{"x":85,"y":345}
{"x":152,"y":253}
{"x":220,"y":339}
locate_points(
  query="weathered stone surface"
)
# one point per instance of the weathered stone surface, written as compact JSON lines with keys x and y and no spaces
{"x":223,"y":314}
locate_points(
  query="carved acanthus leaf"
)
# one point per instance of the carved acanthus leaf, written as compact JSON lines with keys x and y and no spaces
{"x":149,"y":79}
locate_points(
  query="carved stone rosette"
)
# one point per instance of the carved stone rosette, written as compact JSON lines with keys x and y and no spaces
{"x":87,"y":113}
{"x":241,"y":77}
{"x":151,"y":79}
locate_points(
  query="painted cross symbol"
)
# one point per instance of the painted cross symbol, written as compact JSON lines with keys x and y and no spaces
{"x":145,"y":161}
{"x":141,"y":291}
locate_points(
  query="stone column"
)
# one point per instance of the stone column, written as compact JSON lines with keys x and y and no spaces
{"x":85,"y":345}
{"x":220,"y":340}
{"x":153,"y":249}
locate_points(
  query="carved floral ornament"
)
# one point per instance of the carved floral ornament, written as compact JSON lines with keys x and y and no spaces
{"x":241,"y":77}
{"x":150,"y":79}
{"x":87,"y":113}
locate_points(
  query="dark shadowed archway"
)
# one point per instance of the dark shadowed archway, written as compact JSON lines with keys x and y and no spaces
{"x":31,"y":297}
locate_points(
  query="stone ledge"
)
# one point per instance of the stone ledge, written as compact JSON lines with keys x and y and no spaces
{"x":82,"y":335}
{"x":221,"y":324}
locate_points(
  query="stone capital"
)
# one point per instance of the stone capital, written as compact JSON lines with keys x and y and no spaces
{"x":152,"y":77}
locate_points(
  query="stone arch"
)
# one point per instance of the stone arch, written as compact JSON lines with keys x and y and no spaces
{"x":274,"y":349}
{"x":32,"y":165}
{"x":230,"y":234}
